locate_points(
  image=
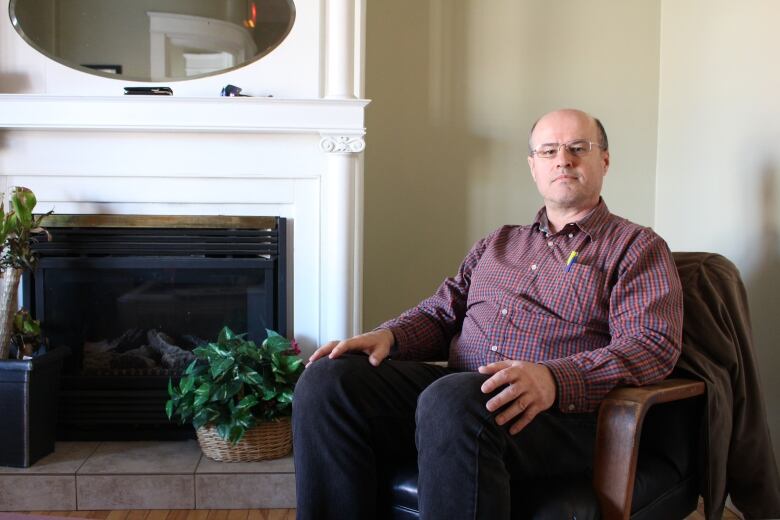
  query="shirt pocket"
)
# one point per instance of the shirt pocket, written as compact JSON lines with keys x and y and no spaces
{"x":578,"y":295}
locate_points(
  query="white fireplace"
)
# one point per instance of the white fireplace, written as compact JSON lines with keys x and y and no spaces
{"x":84,"y":148}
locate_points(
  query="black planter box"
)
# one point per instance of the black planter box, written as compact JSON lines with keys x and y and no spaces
{"x":29,"y":392}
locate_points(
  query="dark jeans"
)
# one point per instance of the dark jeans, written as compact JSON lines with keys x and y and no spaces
{"x":352,"y":422}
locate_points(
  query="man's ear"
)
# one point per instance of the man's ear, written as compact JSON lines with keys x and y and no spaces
{"x":531,"y":166}
{"x":605,"y":160}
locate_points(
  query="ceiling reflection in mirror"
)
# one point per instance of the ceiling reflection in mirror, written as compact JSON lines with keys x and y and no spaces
{"x":153,"y":40}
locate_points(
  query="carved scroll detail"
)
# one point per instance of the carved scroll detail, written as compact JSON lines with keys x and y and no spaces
{"x":342,"y":144}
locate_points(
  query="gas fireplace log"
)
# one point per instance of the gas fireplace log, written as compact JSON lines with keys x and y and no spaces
{"x":130,"y":339}
{"x":131,"y":359}
{"x":173,"y":357}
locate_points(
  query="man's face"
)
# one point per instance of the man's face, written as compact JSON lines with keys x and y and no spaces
{"x":567,"y":181}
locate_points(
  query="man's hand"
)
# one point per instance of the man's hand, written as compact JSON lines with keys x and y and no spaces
{"x":376,"y":344}
{"x":529,"y":389}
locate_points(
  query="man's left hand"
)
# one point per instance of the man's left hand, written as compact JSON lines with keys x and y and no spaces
{"x":529,"y":389}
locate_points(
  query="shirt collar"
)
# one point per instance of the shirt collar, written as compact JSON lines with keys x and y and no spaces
{"x":591,"y":224}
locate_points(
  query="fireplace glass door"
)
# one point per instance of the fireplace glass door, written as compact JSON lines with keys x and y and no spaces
{"x":121,"y":315}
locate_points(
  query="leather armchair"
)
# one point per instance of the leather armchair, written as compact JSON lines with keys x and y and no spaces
{"x":658,"y":481}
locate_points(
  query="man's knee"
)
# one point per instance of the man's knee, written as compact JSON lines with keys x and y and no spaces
{"x":452,"y":398}
{"x":327,"y":379}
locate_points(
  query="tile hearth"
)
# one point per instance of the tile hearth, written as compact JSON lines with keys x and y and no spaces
{"x":144,"y":475}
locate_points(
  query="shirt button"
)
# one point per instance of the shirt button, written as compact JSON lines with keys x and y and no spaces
{"x":494,"y":348}
{"x":571,"y":407}
{"x":571,"y":235}
{"x":533,"y":267}
{"x":503,"y":312}
{"x":550,"y":243}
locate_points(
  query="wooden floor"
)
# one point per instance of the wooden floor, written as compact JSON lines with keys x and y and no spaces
{"x":177,"y":514}
{"x":234,"y":514}
{"x":699,"y":514}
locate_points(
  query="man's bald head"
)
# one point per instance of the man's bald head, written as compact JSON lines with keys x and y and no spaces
{"x":602,"y":134}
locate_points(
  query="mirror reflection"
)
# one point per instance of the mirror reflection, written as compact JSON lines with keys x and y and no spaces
{"x":153,"y":40}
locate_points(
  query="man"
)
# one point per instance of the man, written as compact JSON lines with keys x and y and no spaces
{"x":539,"y":323}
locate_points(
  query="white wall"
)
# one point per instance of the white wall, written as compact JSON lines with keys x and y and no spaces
{"x":455,"y":85}
{"x":718,"y":178}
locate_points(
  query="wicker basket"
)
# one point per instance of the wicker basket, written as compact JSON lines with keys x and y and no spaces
{"x":266,"y":440}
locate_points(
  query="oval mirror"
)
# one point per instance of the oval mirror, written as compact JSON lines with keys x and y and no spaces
{"x":153,"y":40}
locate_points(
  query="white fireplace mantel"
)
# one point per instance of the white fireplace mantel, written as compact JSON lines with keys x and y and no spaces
{"x":169,"y":113}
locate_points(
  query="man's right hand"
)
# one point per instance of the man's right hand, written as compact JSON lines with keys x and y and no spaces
{"x":376,"y":344}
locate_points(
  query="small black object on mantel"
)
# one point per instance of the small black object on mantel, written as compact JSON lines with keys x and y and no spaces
{"x":232,"y":91}
{"x":148,"y":91}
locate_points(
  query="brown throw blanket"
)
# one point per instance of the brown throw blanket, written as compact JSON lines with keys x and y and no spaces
{"x":737,"y":456}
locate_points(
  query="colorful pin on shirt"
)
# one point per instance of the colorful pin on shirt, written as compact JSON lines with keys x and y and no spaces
{"x":570,"y":261}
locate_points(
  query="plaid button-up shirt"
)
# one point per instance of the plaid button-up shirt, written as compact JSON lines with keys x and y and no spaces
{"x":611,"y":316}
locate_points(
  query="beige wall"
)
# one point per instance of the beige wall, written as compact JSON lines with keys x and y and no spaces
{"x":455,"y":86}
{"x":718,"y":179}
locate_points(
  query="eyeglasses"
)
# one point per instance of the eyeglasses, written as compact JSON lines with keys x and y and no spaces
{"x":578,"y":148}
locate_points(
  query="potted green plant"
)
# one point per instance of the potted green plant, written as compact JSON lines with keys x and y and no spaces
{"x":238,"y":396}
{"x":26,"y":338}
{"x":29,"y":386}
{"x":18,"y":234}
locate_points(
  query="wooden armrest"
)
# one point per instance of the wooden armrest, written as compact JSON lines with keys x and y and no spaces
{"x":617,"y":439}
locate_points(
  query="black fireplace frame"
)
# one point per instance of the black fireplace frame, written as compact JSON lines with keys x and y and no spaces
{"x":132,"y":407}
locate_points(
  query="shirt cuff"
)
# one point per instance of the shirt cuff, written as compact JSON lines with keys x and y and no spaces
{"x":570,"y":395}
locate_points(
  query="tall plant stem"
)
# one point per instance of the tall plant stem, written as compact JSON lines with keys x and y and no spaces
{"x":9,"y":286}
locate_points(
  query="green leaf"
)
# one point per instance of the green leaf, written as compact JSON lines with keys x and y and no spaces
{"x":186,"y":383}
{"x":276,"y":344}
{"x":202,"y":394}
{"x":236,"y":433}
{"x":191,"y":367}
{"x":290,"y":364}
{"x":247,"y":402}
{"x":244,"y":420}
{"x":211,"y":352}
{"x":226,"y":391}
{"x":225,"y":335}
{"x":252,"y":355}
{"x":285,"y":397}
{"x":220,"y":367}
{"x":269,"y":393}
{"x":184,"y":411}
{"x":23,"y":201}
{"x":30,"y":327}
{"x":201,"y":418}
{"x":169,"y":409}
{"x":223,"y":430}
{"x":250,"y":377}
